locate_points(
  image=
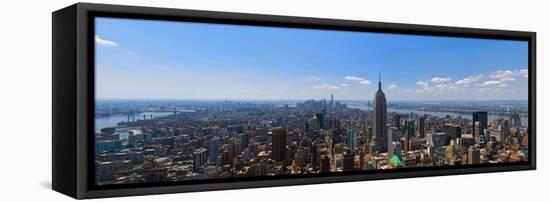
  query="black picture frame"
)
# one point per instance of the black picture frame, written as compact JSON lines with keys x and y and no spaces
{"x":73,"y":98}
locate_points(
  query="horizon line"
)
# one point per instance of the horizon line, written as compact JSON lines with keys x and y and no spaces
{"x":238,"y":99}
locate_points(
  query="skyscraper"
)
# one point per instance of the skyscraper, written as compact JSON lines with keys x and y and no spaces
{"x":515,"y":120}
{"x":320,"y":120}
{"x":477,"y":133}
{"x":482,"y":118}
{"x":278,"y":141}
{"x":315,"y":157}
{"x":452,"y":130}
{"x":473,"y":155}
{"x":325,"y":164}
{"x":244,"y":140}
{"x":396,"y":120}
{"x":421,"y":125}
{"x":348,"y":163}
{"x":199,"y":158}
{"x":380,"y":119}
{"x":214,"y":149}
{"x":227,"y":157}
{"x":396,"y":149}
{"x":351,"y":138}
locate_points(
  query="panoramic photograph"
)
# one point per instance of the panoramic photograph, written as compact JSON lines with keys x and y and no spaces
{"x":183,"y":101}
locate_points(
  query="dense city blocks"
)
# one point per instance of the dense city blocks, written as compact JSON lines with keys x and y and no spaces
{"x":158,"y":141}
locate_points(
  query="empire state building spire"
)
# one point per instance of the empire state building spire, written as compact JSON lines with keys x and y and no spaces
{"x":379,"y":81}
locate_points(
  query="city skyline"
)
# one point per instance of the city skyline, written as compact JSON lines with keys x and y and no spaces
{"x":142,"y":59}
{"x":239,"y":140}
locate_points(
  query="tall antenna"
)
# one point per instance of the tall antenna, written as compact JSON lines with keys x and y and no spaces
{"x":379,"y":80}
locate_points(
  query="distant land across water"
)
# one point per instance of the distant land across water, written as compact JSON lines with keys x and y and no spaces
{"x":113,"y":120}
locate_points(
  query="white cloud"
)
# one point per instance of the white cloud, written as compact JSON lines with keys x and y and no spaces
{"x":314,"y":78}
{"x":509,"y":75}
{"x":104,"y":42}
{"x":466,"y":82}
{"x":446,"y":87}
{"x":365,"y":82}
{"x":326,"y":86}
{"x":361,"y":80}
{"x":503,"y":75}
{"x":392,"y":86}
{"x":130,"y":52}
{"x":440,"y":79}
{"x":354,"y":78}
{"x":442,"y":86}
{"x":493,"y":83}
{"x":422,"y":84}
{"x":344,"y":84}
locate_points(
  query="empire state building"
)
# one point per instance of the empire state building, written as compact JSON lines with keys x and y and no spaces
{"x":380,"y":119}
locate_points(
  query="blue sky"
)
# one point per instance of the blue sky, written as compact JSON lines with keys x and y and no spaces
{"x":147,"y":59}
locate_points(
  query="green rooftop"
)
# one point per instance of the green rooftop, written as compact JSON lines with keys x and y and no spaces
{"x":396,"y":162}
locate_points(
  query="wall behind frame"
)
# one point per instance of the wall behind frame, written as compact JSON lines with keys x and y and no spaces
{"x":25,"y":84}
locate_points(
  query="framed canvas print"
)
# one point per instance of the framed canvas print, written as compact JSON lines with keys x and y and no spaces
{"x":155,"y":100}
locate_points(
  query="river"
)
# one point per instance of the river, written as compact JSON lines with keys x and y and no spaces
{"x":524,"y":120}
{"x":113,"y":120}
{"x":110,"y":121}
